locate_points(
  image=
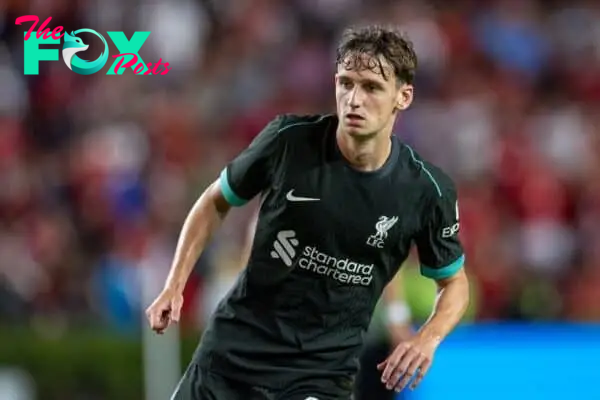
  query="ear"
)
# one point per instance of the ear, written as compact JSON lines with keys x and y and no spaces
{"x":404,"y":97}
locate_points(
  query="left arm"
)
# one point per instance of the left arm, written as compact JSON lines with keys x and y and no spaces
{"x":414,"y":356}
{"x":442,"y":259}
{"x":451,"y":303}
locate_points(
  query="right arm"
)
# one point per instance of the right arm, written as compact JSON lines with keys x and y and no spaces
{"x":245,"y":177}
{"x":203,"y":220}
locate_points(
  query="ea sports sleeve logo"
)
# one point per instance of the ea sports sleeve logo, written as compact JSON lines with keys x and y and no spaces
{"x":450,"y":231}
{"x":74,"y":45}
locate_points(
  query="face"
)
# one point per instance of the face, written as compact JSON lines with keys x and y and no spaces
{"x":367,"y":102}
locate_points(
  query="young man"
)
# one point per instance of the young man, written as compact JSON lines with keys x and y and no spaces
{"x":343,"y":200}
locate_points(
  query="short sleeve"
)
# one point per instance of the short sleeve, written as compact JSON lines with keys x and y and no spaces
{"x":440,"y":251}
{"x":251,"y":171}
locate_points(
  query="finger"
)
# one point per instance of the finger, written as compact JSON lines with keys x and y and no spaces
{"x":160,"y":329}
{"x":392,"y":362}
{"x":421,"y":373}
{"x":382,"y":364}
{"x":410,"y":372}
{"x":165,"y":319}
{"x":401,"y":368}
{"x":158,"y":322}
{"x":389,"y":370}
{"x":150,"y":314}
{"x":154,"y":319}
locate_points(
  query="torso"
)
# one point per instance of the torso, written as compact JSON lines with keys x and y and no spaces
{"x":328,"y":240}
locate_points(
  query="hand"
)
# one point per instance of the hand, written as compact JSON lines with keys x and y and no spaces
{"x":165,"y":310}
{"x":411,"y":357}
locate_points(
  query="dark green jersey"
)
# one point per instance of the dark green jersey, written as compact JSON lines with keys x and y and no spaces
{"x":328,"y":240}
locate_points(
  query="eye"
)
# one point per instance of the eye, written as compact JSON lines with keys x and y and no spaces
{"x":346,"y":84}
{"x":370,"y":87}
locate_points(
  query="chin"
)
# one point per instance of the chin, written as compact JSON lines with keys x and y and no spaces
{"x":358,"y":132}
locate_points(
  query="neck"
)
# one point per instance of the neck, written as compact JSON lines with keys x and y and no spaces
{"x":365,"y":153}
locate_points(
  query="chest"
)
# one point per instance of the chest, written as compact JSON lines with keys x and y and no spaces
{"x":330,"y":206}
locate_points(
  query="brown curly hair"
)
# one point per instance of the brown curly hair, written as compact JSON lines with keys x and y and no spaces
{"x":376,"y":41}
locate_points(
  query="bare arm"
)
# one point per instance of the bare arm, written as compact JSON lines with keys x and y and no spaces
{"x":414,"y":357}
{"x":203,"y":220}
{"x":451,"y":303}
{"x":240,"y":181}
{"x":442,"y":258}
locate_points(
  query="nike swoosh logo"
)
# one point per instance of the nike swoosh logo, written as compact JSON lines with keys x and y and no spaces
{"x":290,"y":196}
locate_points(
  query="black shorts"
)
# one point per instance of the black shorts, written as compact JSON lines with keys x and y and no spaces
{"x":199,"y":384}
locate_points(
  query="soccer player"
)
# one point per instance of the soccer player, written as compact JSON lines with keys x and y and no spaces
{"x":342,"y":201}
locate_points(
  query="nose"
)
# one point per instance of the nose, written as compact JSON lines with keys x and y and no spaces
{"x":355,"y":98}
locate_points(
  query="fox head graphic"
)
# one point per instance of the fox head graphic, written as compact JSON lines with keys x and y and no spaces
{"x":73,"y":44}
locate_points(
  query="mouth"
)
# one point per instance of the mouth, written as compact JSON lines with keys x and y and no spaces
{"x":354,"y":119}
{"x":355,"y":116}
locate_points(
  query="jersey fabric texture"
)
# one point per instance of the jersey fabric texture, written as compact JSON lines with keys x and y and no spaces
{"x":328,"y":240}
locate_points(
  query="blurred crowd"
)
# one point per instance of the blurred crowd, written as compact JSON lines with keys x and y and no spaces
{"x":97,"y":173}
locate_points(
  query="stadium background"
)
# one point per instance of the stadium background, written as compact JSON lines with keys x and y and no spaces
{"x":97,"y":173}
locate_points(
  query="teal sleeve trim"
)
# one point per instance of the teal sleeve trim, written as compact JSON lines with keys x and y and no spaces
{"x":431,"y":178}
{"x":443,"y":272}
{"x":228,"y":192}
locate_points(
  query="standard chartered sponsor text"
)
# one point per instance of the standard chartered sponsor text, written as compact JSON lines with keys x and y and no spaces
{"x":340,"y":269}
